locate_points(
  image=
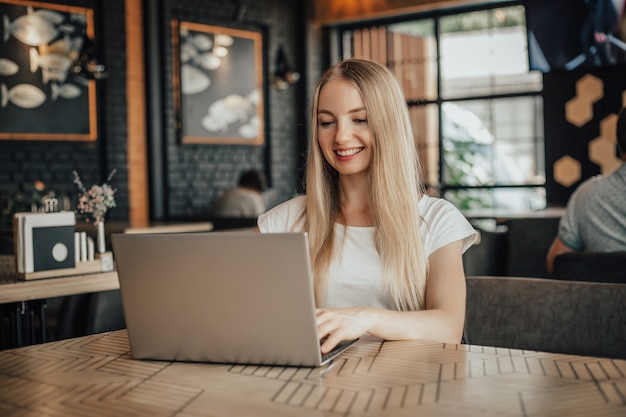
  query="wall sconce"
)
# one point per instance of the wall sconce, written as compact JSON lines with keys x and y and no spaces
{"x":284,"y":76}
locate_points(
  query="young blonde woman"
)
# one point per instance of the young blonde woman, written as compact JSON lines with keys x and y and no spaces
{"x":387,"y":259}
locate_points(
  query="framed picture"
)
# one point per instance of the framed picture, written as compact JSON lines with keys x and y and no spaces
{"x":40,"y":97}
{"x":218,"y":84}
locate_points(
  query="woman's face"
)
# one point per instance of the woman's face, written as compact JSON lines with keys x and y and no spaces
{"x":343,"y":133}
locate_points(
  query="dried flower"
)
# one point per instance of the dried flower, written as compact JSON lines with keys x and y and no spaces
{"x":97,"y":200}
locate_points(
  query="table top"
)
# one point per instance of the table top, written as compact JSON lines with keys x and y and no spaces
{"x":13,"y":290}
{"x":96,"y":376}
{"x":173,"y":228}
{"x":503,"y":215}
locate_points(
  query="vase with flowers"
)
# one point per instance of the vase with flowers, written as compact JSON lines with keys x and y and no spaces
{"x":96,"y":201}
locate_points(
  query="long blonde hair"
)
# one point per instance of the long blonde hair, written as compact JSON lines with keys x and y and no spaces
{"x":394,"y":183}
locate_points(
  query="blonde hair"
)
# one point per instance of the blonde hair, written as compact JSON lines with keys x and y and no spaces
{"x":394,"y":183}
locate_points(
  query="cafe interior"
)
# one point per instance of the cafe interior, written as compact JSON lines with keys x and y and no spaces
{"x":162,"y":104}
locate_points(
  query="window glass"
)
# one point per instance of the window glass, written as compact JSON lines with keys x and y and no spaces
{"x":506,"y":199}
{"x":493,"y":142}
{"x":485,"y":52}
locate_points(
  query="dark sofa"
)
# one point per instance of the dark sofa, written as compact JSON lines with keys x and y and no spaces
{"x":591,"y":266}
{"x":573,"y":317}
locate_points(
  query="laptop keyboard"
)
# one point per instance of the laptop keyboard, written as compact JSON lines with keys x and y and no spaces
{"x":337,"y":349}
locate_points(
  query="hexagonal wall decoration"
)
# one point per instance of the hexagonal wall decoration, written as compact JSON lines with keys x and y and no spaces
{"x":602,"y":148}
{"x":566,"y":171}
{"x":579,"y":110}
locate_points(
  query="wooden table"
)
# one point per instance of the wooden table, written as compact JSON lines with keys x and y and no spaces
{"x":23,"y":304}
{"x":96,"y":376}
{"x":502,"y":215}
{"x":13,"y":290}
{"x":193,"y":227}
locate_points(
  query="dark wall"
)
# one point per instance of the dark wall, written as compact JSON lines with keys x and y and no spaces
{"x":187,"y":178}
{"x":564,"y":138}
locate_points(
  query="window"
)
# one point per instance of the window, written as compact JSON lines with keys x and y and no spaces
{"x":476,"y":109}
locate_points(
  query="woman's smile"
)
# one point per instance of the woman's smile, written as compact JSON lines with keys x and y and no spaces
{"x":348,"y":152}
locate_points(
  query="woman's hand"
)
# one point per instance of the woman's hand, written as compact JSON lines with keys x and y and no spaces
{"x":341,"y":324}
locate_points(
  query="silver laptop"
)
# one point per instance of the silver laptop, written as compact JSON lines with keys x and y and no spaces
{"x":224,"y":297}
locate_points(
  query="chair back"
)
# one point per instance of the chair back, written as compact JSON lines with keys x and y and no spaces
{"x":84,"y":314}
{"x":528,"y":242}
{"x":488,"y":255}
{"x":591,"y":266}
{"x":571,"y":317}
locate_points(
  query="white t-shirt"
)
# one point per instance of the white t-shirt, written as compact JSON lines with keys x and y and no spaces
{"x":356,"y":275}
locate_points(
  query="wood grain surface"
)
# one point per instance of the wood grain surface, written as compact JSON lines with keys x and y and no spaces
{"x":97,"y":376}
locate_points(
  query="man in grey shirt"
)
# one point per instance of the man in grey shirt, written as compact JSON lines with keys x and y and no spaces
{"x":246,"y":200}
{"x":595,"y":219}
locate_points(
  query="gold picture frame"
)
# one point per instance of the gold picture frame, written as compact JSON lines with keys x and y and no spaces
{"x":218,"y":84}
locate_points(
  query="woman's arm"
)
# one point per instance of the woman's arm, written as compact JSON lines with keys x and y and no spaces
{"x":441,"y":321}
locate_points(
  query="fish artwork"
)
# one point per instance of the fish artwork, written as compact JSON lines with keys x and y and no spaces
{"x":196,"y":50}
{"x":224,"y":40}
{"x":53,"y":66}
{"x":251,"y":129}
{"x":26,"y":96}
{"x":233,"y":109}
{"x":188,"y":52}
{"x":193,"y":81}
{"x":202,"y":42}
{"x":33,"y":28}
{"x":208,"y":61}
{"x":8,"y":67}
{"x":67,"y":91}
{"x":66,"y":46}
{"x":54,"y":46}
{"x":53,"y":17}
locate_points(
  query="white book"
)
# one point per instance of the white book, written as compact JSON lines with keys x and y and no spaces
{"x":33,"y":221}
{"x":18,"y":238}
{"x":83,"y":246}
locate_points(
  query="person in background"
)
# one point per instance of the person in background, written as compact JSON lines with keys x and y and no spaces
{"x":601,"y":22}
{"x":595,"y":217}
{"x":386,"y":257}
{"x":245,"y":200}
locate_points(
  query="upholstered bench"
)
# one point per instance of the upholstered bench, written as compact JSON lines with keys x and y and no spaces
{"x":574,"y":317}
{"x":591,"y":266}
